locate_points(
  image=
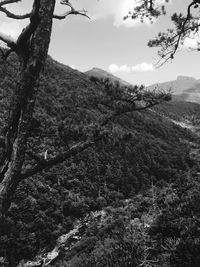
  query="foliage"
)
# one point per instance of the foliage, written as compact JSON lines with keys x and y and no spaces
{"x":136,"y":150}
{"x":184,"y":26}
{"x":138,"y":156}
{"x":157,"y":228}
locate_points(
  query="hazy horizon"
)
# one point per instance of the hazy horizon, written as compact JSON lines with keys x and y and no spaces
{"x":109,"y":42}
{"x":118,"y":76}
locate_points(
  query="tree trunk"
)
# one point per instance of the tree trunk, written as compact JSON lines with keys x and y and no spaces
{"x":22,"y":109}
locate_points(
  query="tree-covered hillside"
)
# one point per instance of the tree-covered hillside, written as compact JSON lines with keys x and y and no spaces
{"x":102,"y":74}
{"x":135,"y":151}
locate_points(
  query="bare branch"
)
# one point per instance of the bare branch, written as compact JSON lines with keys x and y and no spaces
{"x":73,"y":11}
{"x":67,"y":3}
{"x":149,"y":100}
{"x":14,"y":16}
{"x":6,"y":2}
{"x":61,"y":157}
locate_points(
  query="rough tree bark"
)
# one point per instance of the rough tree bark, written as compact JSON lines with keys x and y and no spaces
{"x":31,"y":48}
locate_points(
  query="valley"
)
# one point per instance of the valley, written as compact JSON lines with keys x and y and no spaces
{"x":67,"y":243}
{"x":96,"y":168}
{"x":145,"y":158}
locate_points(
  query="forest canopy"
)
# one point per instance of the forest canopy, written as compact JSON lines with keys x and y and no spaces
{"x":73,"y":144}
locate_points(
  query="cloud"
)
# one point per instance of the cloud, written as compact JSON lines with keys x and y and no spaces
{"x":193,"y":40}
{"x":142,"y":67}
{"x":97,"y":10}
{"x":117,"y":10}
{"x":190,"y":43}
{"x":113,"y":9}
{"x":113,"y":68}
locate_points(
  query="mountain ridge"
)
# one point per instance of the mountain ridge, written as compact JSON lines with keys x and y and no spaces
{"x":138,"y":149}
{"x":100,"y":73}
{"x":184,"y":88}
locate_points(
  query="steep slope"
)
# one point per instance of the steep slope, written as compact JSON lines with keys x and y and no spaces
{"x":137,"y":150}
{"x":99,"y":73}
{"x":181,"y":111}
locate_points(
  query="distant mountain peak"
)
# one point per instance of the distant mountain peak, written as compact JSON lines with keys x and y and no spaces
{"x":184,"y":88}
{"x":97,"y":69}
{"x":100,"y":73}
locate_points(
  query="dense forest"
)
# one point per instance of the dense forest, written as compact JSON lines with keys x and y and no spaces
{"x":142,"y":176}
{"x":95,"y":171}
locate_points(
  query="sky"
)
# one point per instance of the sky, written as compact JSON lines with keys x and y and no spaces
{"x":109,"y":42}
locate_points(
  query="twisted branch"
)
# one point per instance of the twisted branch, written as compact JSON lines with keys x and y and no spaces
{"x":182,"y":31}
{"x":6,"y":2}
{"x":72,"y":11}
{"x":14,"y":16}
